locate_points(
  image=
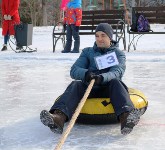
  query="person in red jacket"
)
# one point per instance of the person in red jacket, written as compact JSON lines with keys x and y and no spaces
{"x":72,"y":22}
{"x":10,"y":17}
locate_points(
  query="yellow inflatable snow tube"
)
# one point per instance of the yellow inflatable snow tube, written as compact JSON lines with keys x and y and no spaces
{"x":100,"y":110}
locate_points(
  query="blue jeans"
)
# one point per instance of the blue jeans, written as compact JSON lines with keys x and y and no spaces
{"x":116,"y":90}
{"x":72,"y":30}
{"x":6,"y":38}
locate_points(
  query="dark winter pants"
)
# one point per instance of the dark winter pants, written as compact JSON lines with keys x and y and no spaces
{"x":115,"y":90}
{"x":72,"y":30}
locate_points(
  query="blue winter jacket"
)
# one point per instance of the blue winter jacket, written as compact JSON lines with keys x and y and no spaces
{"x":86,"y":62}
{"x":74,"y":4}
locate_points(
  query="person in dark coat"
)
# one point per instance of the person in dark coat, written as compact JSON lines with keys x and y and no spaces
{"x":11,"y":17}
{"x":105,"y":63}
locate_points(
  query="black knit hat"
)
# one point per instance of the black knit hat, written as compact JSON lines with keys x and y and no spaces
{"x":106,"y":28}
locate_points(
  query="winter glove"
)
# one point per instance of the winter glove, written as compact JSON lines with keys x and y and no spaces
{"x":89,"y":76}
{"x":98,"y":79}
{"x":5,"y":17}
{"x":77,"y":28}
{"x":64,"y":27}
{"x":9,"y":17}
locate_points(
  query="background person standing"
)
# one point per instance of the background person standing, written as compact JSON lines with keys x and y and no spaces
{"x":10,"y":17}
{"x":73,"y":18}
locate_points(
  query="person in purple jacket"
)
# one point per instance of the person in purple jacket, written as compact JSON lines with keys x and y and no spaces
{"x":105,"y":63}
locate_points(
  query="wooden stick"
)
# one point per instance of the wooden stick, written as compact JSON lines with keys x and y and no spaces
{"x":75,"y":115}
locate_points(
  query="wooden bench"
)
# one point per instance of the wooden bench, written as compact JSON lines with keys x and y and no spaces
{"x":155,"y":15}
{"x":90,"y":20}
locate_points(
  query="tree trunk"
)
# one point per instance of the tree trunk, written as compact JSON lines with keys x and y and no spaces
{"x":44,"y":13}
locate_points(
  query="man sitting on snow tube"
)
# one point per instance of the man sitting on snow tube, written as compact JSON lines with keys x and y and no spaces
{"x":105,"y":63}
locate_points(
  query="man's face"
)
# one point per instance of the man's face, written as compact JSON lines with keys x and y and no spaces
{"x":102,"y":40}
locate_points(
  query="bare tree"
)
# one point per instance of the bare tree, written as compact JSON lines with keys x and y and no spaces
{"x":30,"y":11}
{"x":44,"y":12}
{"x":47,"y":12}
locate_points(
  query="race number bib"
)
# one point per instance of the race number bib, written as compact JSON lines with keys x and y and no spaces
{"x":106,"y":61}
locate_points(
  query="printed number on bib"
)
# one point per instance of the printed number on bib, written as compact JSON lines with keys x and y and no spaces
{"x":106,"y":61}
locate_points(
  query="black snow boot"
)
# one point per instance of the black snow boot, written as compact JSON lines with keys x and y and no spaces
{"x":74,"y":51}
{"x":4,"y":48}
{"x":65,"y":51}
{"x":54,"y":121}
{"x":128,"y":120}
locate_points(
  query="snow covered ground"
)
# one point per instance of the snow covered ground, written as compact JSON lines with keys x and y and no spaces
{"x":30,"y":82}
